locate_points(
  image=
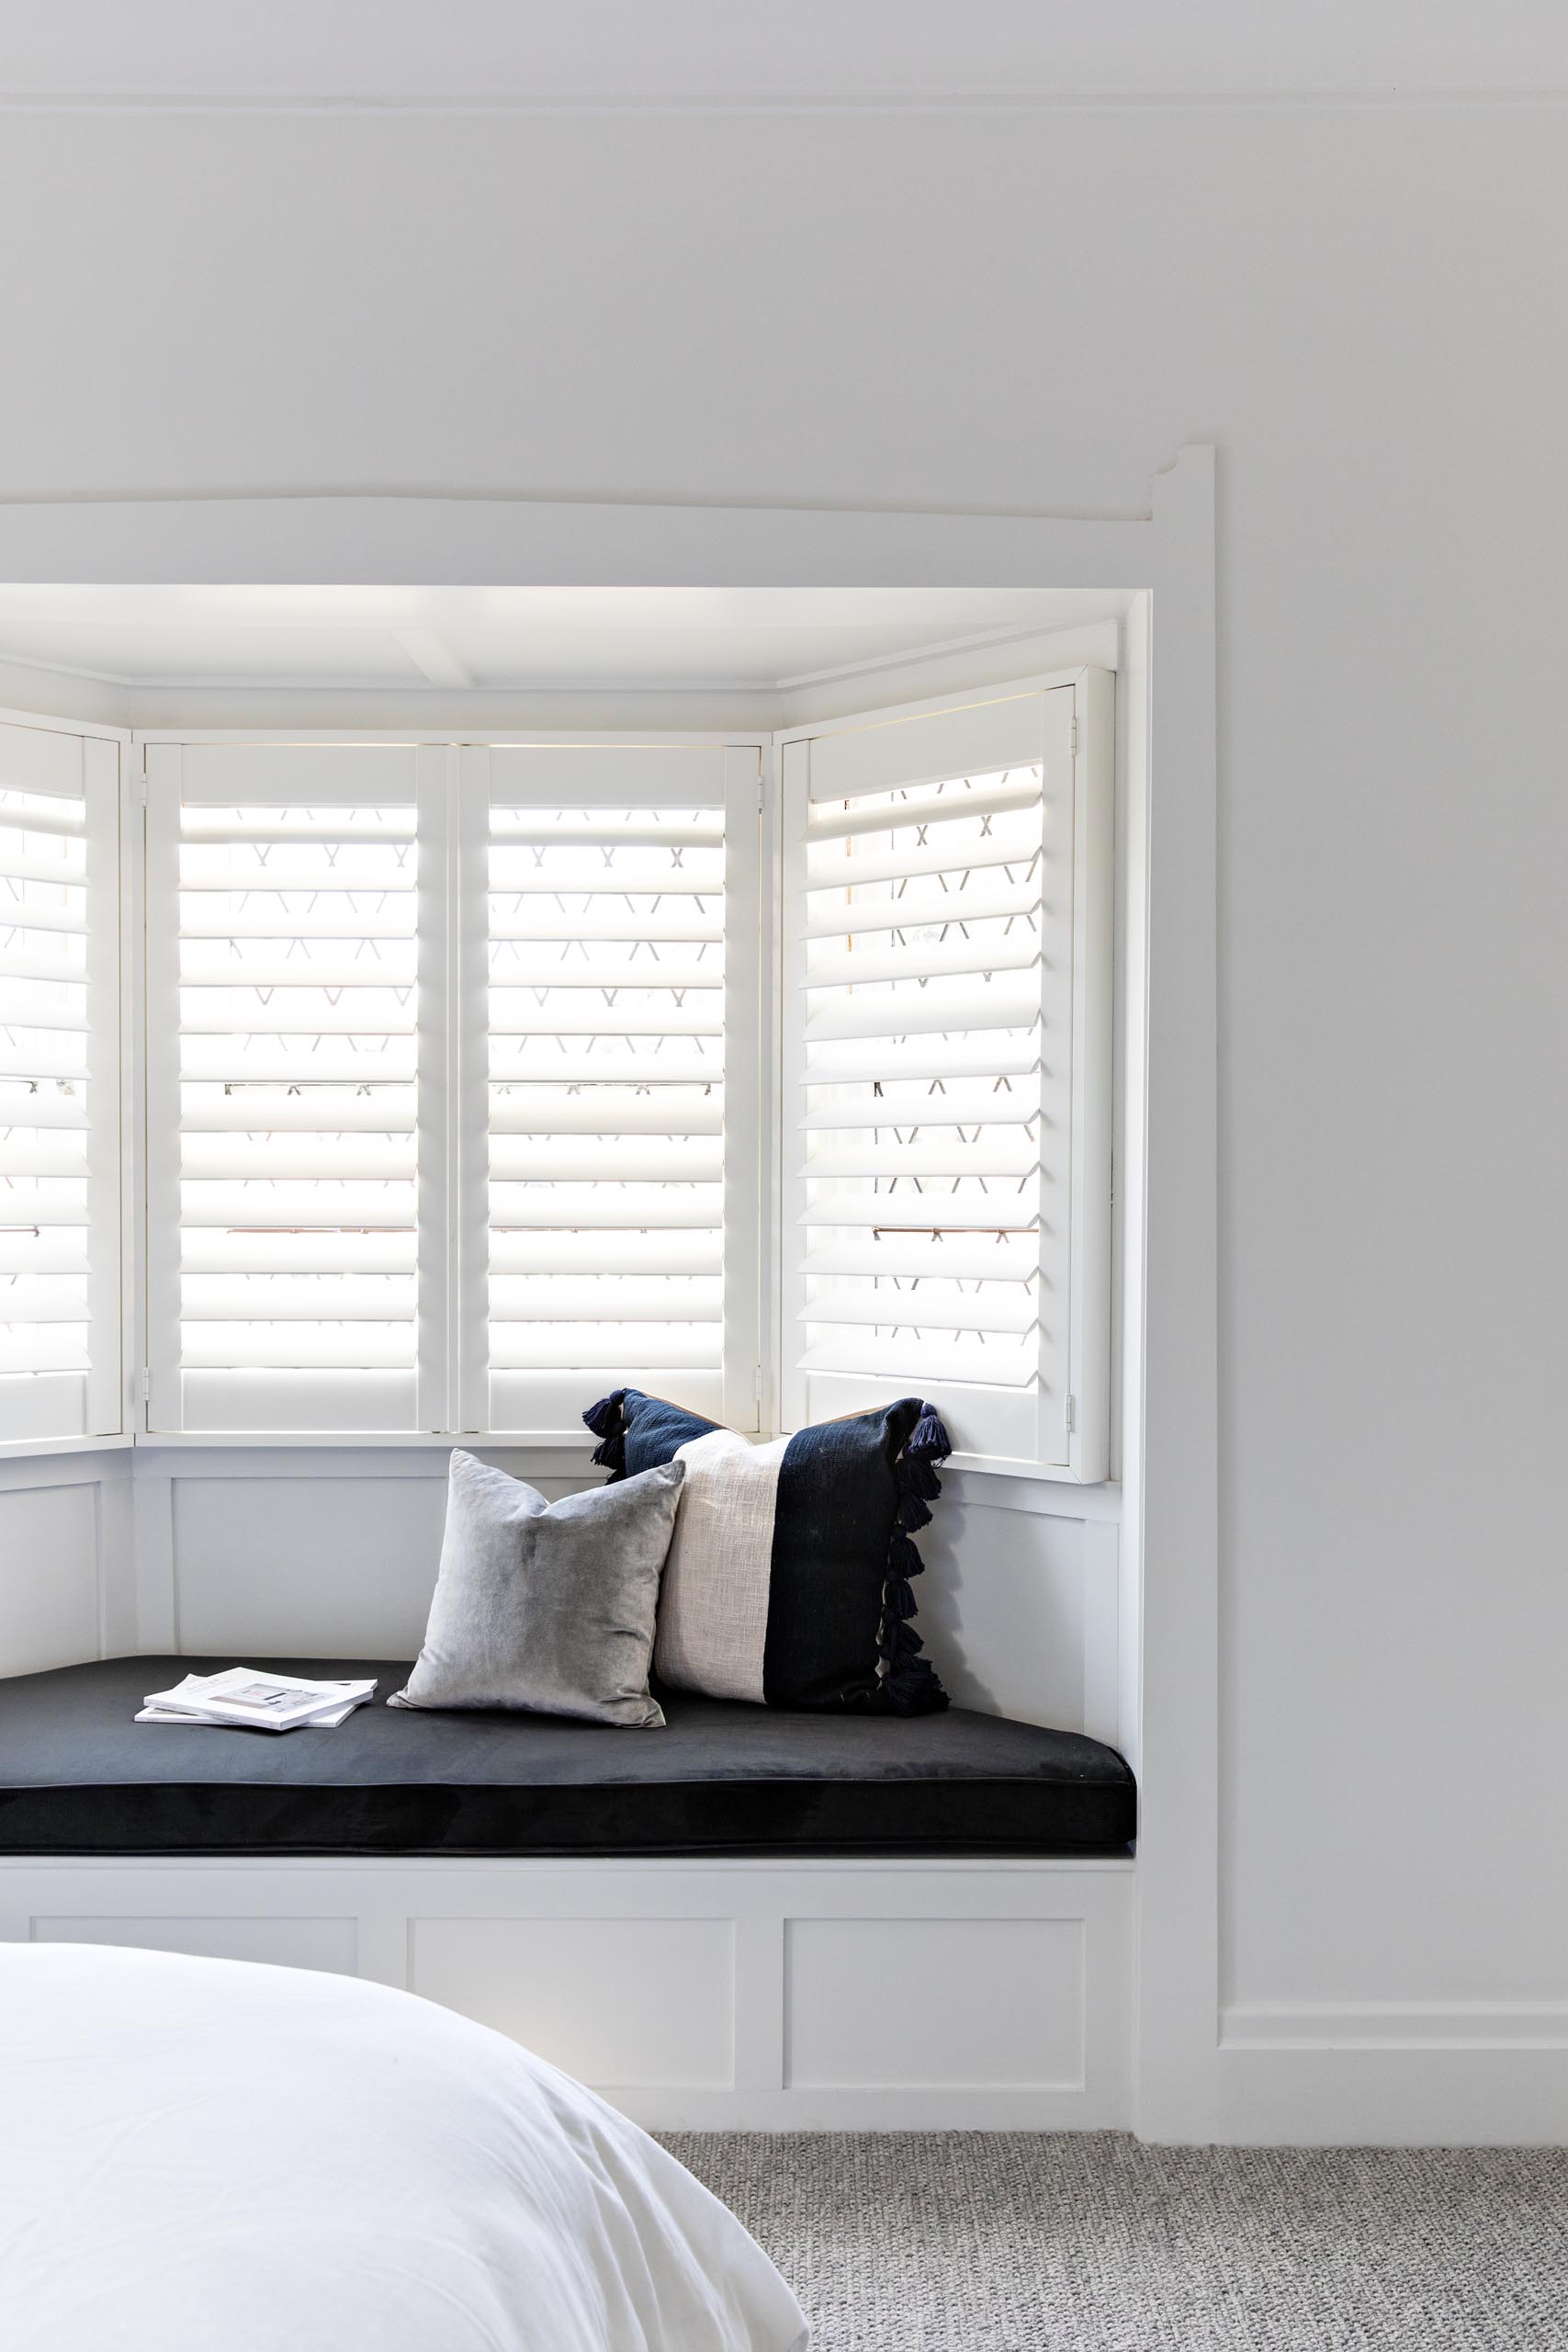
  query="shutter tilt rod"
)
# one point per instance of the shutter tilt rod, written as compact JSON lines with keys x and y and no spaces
{"x":939,"y":1232}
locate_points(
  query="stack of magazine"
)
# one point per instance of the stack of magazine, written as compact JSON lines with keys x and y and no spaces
{"x":246,"y":1697}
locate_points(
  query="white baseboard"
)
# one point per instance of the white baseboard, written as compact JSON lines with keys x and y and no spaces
{"x":1393,"y":2074}
{"x":1395,"y":2025}
{"x":742,"y":1994}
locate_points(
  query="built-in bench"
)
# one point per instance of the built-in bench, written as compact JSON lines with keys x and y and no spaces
{"x":748,"y":1918}
{"x":79,"y":1775}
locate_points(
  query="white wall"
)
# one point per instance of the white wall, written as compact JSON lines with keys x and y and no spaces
{"x":1365,"y":309}
{"x":67,"y":1587}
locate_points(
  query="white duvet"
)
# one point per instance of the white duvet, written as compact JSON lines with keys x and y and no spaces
{"x":202,"y":2153}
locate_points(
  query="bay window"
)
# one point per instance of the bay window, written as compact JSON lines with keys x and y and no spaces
{"x":455,"y":1056}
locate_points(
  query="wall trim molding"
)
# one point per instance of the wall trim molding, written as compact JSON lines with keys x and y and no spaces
{"x":676,"y":106}
{"x":1395,"y":2025}
{"x":1437,"y":2093}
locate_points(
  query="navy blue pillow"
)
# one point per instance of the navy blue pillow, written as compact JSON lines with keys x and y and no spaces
{"x":849,"y":1496}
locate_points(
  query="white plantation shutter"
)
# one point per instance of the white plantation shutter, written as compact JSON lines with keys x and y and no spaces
{"x":452,"y":1083}
{"x":620,"y":1099}
{"x":297,"y":1060}
{"x":60,"y":1176}
{"x":946,"y":1063}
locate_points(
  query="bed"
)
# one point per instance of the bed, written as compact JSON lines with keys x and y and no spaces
{"x":198,"y":2153}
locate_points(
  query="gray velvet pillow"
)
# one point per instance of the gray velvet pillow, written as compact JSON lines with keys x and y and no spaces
{"x":549,"y":1607}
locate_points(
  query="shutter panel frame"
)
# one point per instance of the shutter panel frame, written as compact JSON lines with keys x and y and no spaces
{"x":551,"y":1184}
{"x":841,"y":1042}
{"x":342,"y":1208}
{"x":62,"y":1086}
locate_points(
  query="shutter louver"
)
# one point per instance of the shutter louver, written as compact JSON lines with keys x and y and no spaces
{"x":904,"y":1167}
{"x":612,"y":994}
{"x":60,"y":1370}
{"x":286,"y":1155}
{"x":930,"y":1110}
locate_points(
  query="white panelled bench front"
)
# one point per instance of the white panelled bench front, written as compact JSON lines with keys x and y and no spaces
{"x":850,"y":1925}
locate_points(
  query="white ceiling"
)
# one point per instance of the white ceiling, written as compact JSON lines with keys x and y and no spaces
{"x":504,"y":639}
{"x":648,"y":51}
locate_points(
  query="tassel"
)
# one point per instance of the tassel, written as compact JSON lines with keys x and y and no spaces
{"x":605,"y":1414}
{"x":929,"y":1440}
{"x":903,"y":1559}
{"x":908,"y":1686}
{"x":913,"y":1690}
{"x":914,"y":1512}
{"x":607,"y":1421}
{"x":918,"y":1477}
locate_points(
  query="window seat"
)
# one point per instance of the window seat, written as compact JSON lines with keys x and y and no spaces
{"x":78,"y":1776}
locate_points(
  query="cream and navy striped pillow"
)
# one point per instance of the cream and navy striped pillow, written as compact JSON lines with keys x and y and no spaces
{"x":787,"y":1581}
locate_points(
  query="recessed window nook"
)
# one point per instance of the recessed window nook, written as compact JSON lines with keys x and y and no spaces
{"x":771,"y":985}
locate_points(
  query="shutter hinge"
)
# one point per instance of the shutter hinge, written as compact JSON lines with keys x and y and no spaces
{"x":1070,"y":1415}
{"x":139,"y":788}
{"x":144,"y":1387}
{"x":1074,"y":735}
{"x":757,"y":1385}
{"x":761,"y":793}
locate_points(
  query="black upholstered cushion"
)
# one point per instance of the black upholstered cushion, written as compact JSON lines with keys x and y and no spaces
{"x":78,"y":1776}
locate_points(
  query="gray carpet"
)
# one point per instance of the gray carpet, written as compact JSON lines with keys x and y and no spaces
{"x":1014,"y":2241}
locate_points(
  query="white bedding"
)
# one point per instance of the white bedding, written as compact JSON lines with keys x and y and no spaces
{"x":202,"y":2153}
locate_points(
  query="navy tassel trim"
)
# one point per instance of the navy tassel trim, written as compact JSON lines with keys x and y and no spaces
{"x":903,"y":1560}
{"x":918,"y":1478}
{"x":608,"y":1423}
{"x":909,"y":1686}
{"x":914,"y":1512}
{"x":605,"y":1414}
{"x":927,"y":1440}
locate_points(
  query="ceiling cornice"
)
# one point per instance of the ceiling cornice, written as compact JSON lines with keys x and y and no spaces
{"x":1014,"y":102}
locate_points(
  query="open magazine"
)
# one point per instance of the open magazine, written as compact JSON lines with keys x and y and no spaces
{"x":245,"y":1696}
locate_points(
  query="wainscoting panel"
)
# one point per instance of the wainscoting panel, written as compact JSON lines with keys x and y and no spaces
{"x":744,"y":1993}
{"x":329,"y":1944}
{"x":946,"y":2004}
{"x":305,"y":1568}
{"x":1002,"y":1608}
{"x":65,"y":1565}
{"x":296,"y":1551}
{"x":610,"y":2000}
{"x":49,"y":1576}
